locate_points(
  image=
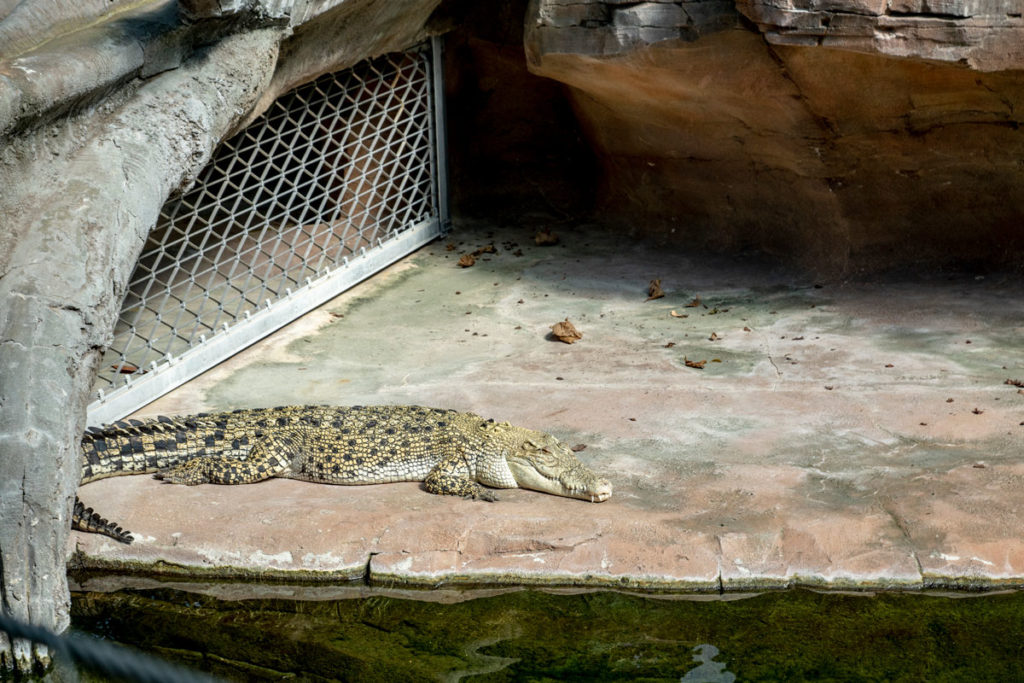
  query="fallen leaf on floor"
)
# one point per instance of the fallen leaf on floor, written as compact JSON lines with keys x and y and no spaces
{"x":125,"y":368}
{"x":746,"y":329}
{"x":716,"y":360}
{"x":545,"y":238}
{"x":466,"y":260}
{"x":889,"y":365}
{"x":1015,"y":382}
{"x":978,"y":466}
{"x":450,"y":246}
{"x":693,"y":304}
{"x":489,"y":249}
{"x":714,"y":337}
{"x":698,"y":364}
{"x":977,"y":411}
{"x":566,"y":332}
{"x":579,"y":447}
{"x":829,"y":387}
{"x":949,"y":400}
{"x":679,"y":315}
{"x":670,"y":345}
{"x":654,"y":290}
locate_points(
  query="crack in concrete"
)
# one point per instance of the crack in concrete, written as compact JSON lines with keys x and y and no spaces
{"x":902,"y":526}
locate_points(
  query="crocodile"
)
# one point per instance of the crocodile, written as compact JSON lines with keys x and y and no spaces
{"x":453,"y":453}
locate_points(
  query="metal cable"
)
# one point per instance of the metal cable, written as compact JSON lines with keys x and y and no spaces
{"x":111,"y":660}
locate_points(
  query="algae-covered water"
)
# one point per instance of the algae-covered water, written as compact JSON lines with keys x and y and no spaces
{"x":532,"y":635}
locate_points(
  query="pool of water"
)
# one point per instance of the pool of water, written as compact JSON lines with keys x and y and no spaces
{"x":534,"y":635}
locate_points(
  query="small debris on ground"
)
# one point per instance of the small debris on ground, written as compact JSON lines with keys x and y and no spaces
{"x":654,"y":290}
{"x":693,"y":304}
{"x":466,"y":260}
{"x":450,"y":246}
{"x":679,"y":315}
{"x":125,"y":368}
{"x":714,"y":337}
{"x":977,"y":411}
{"x":670,"y":345}
{"x":746,"y":329}
{"x":949,"y":400}
{"x":566,"y":332}
{"x":545,"y":238}
{"x":889,"y":365}
{"x":579,"y":447}
{"x":829,"y":387}
{"x":697,"y":364}
{"x":978,"y":466}
{"x":1015,"y":382}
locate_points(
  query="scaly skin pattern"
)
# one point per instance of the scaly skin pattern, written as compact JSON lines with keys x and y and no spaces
{"x":452,"y":453}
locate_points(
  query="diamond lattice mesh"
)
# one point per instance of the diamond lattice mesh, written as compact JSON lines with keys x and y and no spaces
{"x":335,"y":167}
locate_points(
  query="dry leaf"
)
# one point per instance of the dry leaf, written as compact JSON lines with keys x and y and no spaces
{"x":579,"y":447}
{"x":466,"y":260}
{"x":670,"y":345}
{"x":693,"y":304}
{"x":545,"y":238}
{"x":125,"y":368}
{"x":450,"y":246}
{"x":1015,"y":382}
{"x":679,"y":315}
{"x":746,"y":329}
{"x":566,"y":332}
{"x":489,"y":249}
{"x":713,"y":337}
{"x":889,"y":365}
{"x":829,"y":387}
{"x":977,"y":411}
{"x":654,"y":290}
{"x":698,"y":364}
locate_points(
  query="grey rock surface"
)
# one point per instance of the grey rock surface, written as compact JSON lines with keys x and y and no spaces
{"x":104,"y":112}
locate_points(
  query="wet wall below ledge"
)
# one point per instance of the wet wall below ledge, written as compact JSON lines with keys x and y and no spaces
{"x":715,"y":135}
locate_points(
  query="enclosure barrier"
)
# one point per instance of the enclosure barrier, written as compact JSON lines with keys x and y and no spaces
{"x":338,"y":179}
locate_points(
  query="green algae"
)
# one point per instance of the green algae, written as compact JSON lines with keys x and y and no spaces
{"x":593,"y":636}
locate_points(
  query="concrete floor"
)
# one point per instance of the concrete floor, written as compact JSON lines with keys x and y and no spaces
{"x":855,"y":435}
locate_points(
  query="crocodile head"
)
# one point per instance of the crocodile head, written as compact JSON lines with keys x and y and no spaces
{"x":543,"y":463}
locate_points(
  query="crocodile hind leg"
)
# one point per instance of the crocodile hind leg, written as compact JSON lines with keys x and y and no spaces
{"x":271,"y":456}
{"x":85,"y":519}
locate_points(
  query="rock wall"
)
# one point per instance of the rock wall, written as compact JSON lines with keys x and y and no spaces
{"x":845,"y":133}
{"x":104,"y":112}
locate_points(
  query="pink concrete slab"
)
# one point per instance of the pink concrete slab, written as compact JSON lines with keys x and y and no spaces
{"x":822,"y":450}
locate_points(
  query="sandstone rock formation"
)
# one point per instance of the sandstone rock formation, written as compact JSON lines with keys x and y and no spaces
{"x":832,"y":130}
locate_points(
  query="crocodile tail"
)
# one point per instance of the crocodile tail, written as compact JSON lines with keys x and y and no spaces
{"x":86,"y":519}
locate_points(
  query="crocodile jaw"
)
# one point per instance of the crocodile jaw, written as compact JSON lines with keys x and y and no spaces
{"x":551,"y":467}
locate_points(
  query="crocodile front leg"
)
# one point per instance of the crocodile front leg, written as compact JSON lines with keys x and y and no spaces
{"x":450,"y":477}
{"x":271,"y":456}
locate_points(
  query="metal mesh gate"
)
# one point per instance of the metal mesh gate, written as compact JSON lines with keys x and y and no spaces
{"x":339,"y":178}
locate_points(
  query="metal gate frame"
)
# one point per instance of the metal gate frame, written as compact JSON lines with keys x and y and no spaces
{"x":172,"y":371}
